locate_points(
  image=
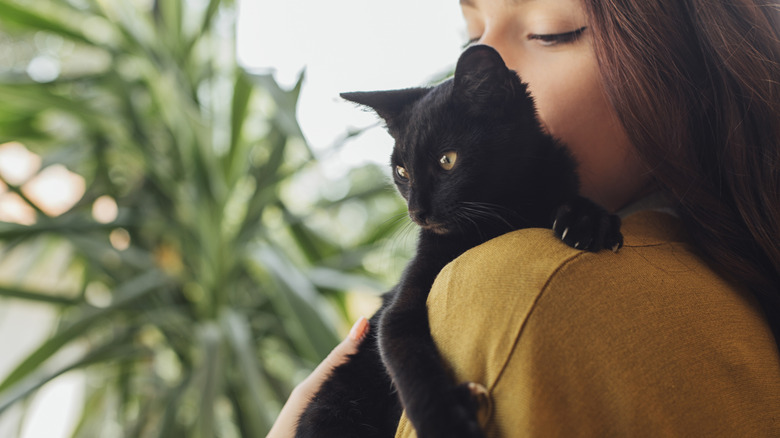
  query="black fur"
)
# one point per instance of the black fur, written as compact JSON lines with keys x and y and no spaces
{"x":508,"y":175}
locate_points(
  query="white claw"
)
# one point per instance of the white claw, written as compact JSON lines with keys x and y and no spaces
{"x":577,"y":245}
{"x":616,"y":247}
{"x":565,"y":232}
{"x":555,"y":223}
{"x":476,"y":389}
{"x":479,"y":392}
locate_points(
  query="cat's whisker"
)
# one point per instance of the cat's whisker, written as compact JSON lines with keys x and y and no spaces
{"x":402,"y":236}
{"x":392,"y":220}
{"x":462,"y":215}
{"x":491,"y":207}
{"x":401,"y":233}
{"x":479,"y":229}
{"x":397,"y":240}
{"x":456,"y":219}
{"x":488,"y":211}
{"x":472,"y":214}
{"x":496,"y":209}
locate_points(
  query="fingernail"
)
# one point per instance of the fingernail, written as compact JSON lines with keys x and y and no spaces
{"x":359,"y":329}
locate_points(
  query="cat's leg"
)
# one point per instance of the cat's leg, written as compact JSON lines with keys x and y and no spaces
{"x":435,"y":405}
{"x":358,"y":400}
{"x":583,"y":224}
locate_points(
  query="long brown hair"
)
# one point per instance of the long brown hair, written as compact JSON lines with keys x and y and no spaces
{"x":696,"y":84}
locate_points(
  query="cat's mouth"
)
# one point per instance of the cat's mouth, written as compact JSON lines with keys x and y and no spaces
{"x":434,"y":227}
{"x":427,"y":222}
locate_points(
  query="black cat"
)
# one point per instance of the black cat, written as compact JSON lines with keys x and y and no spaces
{"x":473,"y":163}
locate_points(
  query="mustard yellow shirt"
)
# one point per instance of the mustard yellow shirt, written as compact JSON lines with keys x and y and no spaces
{"x":646,"y":342}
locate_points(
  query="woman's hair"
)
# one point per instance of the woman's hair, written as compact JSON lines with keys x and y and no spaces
{"x":696,"y":84}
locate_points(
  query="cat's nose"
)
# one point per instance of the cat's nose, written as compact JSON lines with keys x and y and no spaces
{"x":419,"y":216}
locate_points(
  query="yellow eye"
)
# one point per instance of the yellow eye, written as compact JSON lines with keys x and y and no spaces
{"x":401,"y":172}
{"x":447,"y":161}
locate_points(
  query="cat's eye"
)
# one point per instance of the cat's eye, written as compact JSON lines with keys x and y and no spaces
{"x":401,"y":172}
{"x":447,"y":161}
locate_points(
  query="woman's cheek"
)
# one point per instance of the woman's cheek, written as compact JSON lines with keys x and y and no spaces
{"x":582,"y":118}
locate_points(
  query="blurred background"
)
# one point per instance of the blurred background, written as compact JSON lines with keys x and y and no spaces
{"x":190,"y":218}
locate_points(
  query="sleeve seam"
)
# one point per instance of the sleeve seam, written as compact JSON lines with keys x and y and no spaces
{"x":544,"y":288}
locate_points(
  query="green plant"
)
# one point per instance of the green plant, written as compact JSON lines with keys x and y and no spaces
{"x":226,"y":295}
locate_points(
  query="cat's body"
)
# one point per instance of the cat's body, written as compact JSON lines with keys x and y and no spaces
{"x":473,"y":163}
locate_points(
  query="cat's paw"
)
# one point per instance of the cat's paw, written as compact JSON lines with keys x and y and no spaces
{"x":456,"y":416}
{"x":583,"y":224}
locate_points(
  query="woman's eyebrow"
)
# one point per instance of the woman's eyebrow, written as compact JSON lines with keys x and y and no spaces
{"x":467,"y":3}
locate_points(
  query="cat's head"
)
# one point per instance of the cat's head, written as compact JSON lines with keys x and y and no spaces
{"x":468,"y":152}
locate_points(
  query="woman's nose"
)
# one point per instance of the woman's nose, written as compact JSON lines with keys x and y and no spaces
{"x":499,"y":39}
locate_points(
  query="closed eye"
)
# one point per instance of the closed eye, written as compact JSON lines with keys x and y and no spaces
{"x":554,"y":39}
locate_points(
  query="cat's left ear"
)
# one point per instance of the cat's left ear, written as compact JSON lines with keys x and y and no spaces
{"x":481,"y":76}
{"x":388,"y":104}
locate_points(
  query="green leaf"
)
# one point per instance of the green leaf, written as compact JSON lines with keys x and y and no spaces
{"x":211,"y":11}
{"x":11,"y":12}
{"x":287,"y":101}
{"x":253,"y":387}
{"x":167,"y":423}
{"x":36,"y":97}
{"x":236,"y":157}
{"x":210,"y":376}
{"x":124,"y":295}
{"x":302,"y":306}
{"x":206,"y":23}
{"x":60,"y":226}
{"x":338,"y":280}
{"x":169,"y":20}
{"x":107,"y":352}
{"x":41,"y":297}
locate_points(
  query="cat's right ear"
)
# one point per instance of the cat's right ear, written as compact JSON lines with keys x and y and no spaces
{"x":388,"y":104}
{"x":482,"y":79}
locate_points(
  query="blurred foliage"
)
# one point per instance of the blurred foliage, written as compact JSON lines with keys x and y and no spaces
{"x":230,"y":289}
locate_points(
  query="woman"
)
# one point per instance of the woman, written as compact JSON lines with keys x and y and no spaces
{"x":672,"y":108}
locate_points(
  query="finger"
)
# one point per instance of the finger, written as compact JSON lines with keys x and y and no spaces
{"x":341,"y":352}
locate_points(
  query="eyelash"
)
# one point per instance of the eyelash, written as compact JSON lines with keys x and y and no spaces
{"x":546,"y":39}
{"x":558,"y":38}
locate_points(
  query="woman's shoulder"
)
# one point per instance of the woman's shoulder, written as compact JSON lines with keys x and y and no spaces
{"x":535,"y":255}
{"x":533,"y":260}
{"x":501,"y":282}
{"x":641,"y":336}
{"x":521,"y":266}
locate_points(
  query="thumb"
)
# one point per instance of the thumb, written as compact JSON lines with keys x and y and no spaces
{"x":340,"y":353}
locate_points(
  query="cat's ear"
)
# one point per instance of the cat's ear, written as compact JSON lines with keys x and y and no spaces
{"x":481,"y":76}
{"x":388,"y":104}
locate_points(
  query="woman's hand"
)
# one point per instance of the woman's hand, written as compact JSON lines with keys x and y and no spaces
{"x":287,"y":421}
